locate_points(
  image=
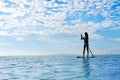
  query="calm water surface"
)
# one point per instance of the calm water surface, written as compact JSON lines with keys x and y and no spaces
{"x":59,"y":67}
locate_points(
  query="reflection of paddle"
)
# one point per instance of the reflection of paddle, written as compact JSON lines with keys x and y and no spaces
{"x":91,"y":53}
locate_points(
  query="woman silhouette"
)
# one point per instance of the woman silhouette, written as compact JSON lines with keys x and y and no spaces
{"x":86,"y":43}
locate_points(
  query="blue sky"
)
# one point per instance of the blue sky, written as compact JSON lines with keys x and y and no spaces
{"x":45,"y":27}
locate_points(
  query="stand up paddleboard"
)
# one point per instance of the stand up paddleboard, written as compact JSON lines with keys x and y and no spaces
{"x":82,"y":57}
{"x":79,"y":57}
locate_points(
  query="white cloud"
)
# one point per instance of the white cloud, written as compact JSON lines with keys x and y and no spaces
{"x":106,"y":23}
{"x":20,"y":38}
{"x":117,"y":39}
{"x":6,"y":44}
{"x":105,"y":13}
{"x":43,"y":18}
{"x":113,"y":50}
{"x":4,"y":33}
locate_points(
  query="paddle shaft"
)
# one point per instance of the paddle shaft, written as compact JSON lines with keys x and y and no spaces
{"x":91,"y":52}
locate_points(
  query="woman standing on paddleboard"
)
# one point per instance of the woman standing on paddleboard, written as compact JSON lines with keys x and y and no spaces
{"x":86,"y":43}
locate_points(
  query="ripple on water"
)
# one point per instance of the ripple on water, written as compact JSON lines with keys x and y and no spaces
{"x":68,"y":67}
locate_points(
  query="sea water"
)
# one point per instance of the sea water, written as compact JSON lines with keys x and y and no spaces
{"x":60,"y":67}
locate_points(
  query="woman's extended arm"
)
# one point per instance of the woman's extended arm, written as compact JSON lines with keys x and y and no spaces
{"x":82,"y":37}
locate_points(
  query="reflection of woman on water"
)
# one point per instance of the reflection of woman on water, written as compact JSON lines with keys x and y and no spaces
{"x":86,"y":68}
{"x":86,"y":43}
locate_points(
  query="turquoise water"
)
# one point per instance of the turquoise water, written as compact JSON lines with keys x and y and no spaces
{"x":60,"y":67}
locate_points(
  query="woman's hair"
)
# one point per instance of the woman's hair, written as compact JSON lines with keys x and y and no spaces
{"x":86,"y":34}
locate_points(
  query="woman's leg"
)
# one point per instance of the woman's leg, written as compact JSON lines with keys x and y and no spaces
{"x":84,"y":51}
{"x":87,"y":50}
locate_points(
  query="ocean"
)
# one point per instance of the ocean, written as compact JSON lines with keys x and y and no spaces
{"x":60,"y":67}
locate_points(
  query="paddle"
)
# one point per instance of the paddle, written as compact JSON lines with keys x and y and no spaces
{"x":91,"y":53}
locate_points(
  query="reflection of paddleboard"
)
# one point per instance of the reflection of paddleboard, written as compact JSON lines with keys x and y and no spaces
{"x":82,"y":57}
